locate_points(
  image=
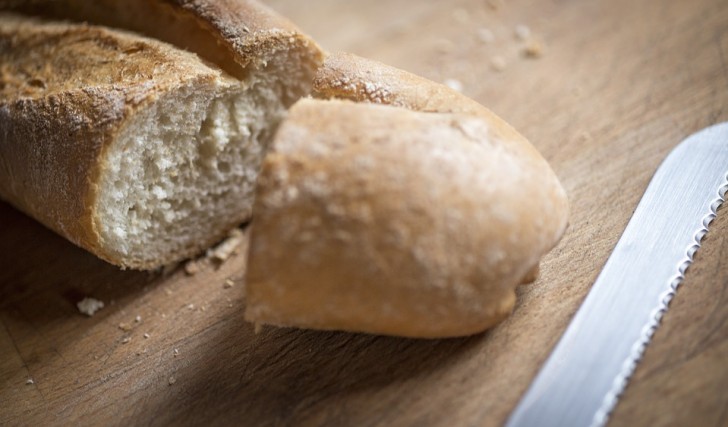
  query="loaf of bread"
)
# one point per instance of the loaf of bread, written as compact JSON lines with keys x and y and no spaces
{"x":387,"y":204}
{"x":380,"y":219}
{"x":138,"y":151}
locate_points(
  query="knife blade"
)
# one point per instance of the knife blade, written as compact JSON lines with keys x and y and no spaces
{"x":581,"y":381}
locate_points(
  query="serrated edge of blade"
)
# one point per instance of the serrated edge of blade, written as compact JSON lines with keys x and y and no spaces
{"x":638,"y":349}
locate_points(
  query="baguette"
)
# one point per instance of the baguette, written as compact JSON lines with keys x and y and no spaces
{"x":380,"y":219}
{"x":131,"y":148}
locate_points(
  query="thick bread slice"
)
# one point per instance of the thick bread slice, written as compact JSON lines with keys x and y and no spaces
{"x":132,"y":149}
{"x":379,"y":219}
{"x":239,"y":36}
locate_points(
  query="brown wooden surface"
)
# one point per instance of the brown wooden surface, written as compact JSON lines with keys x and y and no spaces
{"x":620,"y":83}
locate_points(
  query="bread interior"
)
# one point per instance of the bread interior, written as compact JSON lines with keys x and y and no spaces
{"x":183,"y":171}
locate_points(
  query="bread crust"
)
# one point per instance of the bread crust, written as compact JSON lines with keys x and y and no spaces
{"x":378,"y":219}
{"x":236,"y":35}
{"x":58,"y":115}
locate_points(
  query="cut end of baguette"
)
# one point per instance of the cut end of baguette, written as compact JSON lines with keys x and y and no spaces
{"x":377,"y":219}
{"x":183,"y":171}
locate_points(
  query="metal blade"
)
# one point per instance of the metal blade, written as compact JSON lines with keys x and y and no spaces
{"x":581,"y":381}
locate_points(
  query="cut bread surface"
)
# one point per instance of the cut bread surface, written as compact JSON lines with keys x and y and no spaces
{"x":183,"y":171}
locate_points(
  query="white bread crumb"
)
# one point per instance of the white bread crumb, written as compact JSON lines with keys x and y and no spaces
{"x":89,"y":306}
{"x":454,"y":84}
{"x":125,"y":327}
{"x":485,"y":35}
{"x":229,"y":246}
{"x":29,"y":381}
{"x":172,"y":380}
{"x":498,"y":63}
{"x":146,"y":335}
{"x":138,"y":318}
{"x":125,"y":340}
{"x":522,"y":32}
{"x":228,"y":284}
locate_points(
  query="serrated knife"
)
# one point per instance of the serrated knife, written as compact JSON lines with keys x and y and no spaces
{"x":589,"y":368}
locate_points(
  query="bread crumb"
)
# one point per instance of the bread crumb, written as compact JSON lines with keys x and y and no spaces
{"x":192,"y":267}
{"x":522,"y":32}
{"x":89,"y":306}
{"x":191,"y":306}
{"x":227,"y":247}
{"x":125,"y":340}
{"x":454,"y":84}
{"x":498,"y":63}
{"x":168,"y":291}
{"x":29,"y":381}
{"x":533,"y":49}
{"x":175,"y":352}
{"x":172,"y":380}
{"x":138,"y":318}
{"x":125,"y":327}
{"x":485,"y":35}
{"x":228,"y":283}
{"x":146,"y":335}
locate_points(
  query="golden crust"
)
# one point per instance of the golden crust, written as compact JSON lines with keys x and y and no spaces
{"x":378,"y":219}
{"x":232,"y":34}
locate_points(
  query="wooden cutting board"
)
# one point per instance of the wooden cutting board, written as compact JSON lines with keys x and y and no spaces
{"x":618,"y":84}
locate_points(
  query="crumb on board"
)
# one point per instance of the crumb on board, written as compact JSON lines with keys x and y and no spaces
{"x":228,"y":283}
{"x":227,"y":247}
{"x":89,"y":306}
{"x":146,"y":335}
{"x":192,"y":267}
{"x":138,"y":318}
{"x":522,"y":32}
{"x":454,"y":84}
{"x":125,"y":327}
{"x":498,"y":63}
{"x":29,"y":381}
{"x":172,"y":380}
{"x":485,"y":35}
{"x":190,"y":306}
{"x":175,"y":352}
{"x":126,"y":340}
{"x":533,"y":49}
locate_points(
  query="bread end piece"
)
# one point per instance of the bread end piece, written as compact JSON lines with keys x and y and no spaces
{"x":138,"y":152}
{"x":377,"y":219}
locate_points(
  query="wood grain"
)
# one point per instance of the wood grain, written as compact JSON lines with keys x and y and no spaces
{"x":620,"y":83}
